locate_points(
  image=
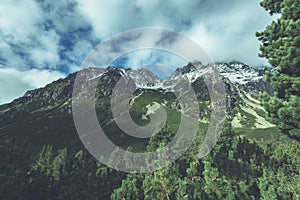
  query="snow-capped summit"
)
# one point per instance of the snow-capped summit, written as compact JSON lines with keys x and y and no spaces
{"x":244,"y":76}
{"x":239,"y":74}
{"x":144,"y":78}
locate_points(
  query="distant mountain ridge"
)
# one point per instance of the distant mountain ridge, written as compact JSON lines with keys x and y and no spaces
{"x":44,"y":115}
{"x":239,"y":74}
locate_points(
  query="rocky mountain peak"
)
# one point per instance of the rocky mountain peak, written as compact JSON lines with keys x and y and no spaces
{"x":144,"y":78}
{"x":190,"y":67}
{"x":244,"y":76}
{"x":239,"y":74}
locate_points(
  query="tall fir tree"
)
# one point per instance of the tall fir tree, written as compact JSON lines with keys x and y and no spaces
{"x":281,"y":46}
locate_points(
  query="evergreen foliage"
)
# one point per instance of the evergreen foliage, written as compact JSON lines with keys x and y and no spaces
{"x":281,"y":46}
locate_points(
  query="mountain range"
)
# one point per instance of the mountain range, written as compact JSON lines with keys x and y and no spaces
{"x":44,"y":116}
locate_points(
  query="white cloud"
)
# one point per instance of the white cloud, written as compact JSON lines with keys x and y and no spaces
{"x":16,"y":25}
{"x":225,"y":29}
{"x":230,"y":35}
{"x":18,"y":18}
{"x":14,"y":83}
{"x":58,"y":35}
{"x":80,"y":50}
{"x":148,"y":57}
{"x":36,"y":33}
{"x":46,"y":54}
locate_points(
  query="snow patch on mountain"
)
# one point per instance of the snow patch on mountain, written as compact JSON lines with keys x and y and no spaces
{"x":239,"y":74}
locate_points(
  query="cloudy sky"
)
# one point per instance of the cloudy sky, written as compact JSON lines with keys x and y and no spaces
{"x":43,"y":40}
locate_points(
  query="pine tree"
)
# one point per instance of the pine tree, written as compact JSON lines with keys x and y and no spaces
{"x":211,"y":175}
{"x":194,"y":181}
{"x":41,"y":181}
{"x":59,"y":163}
{"x":266,"y":186}
{"x":161,"y":184}
{"x":15,"y":162}
{"x":281,"y":46}
{"x":128,"y":190}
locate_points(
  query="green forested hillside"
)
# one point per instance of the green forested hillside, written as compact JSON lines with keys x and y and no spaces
{"x":237,"y":168}
{"x":256,"y":157}
{"x":247,"y":163}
